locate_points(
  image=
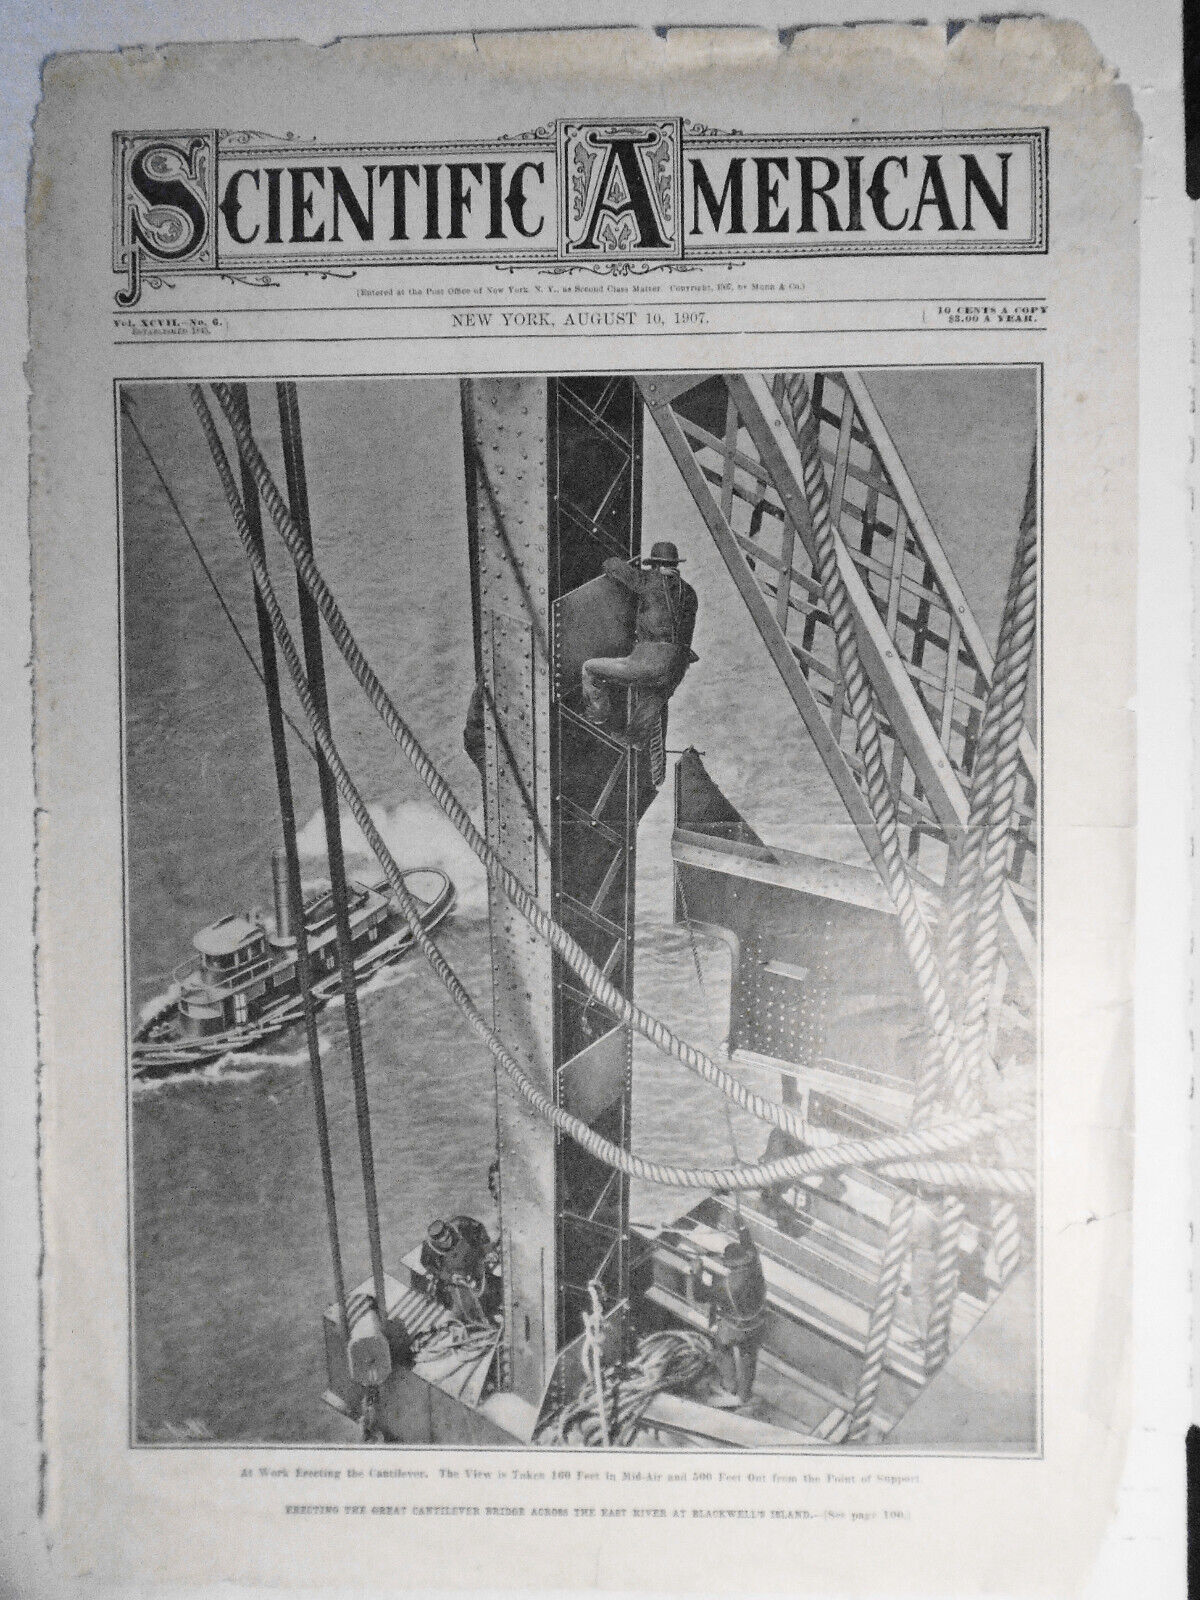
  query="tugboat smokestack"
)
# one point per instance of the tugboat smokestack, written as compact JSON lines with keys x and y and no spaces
{"x":284,"y":932}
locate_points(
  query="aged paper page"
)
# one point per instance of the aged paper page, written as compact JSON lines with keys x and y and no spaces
{"x":584,"y":596}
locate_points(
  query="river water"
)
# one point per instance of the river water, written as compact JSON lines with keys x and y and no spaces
{"x":231,"y":1270}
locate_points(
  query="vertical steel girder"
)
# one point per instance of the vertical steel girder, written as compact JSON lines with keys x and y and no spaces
{"x":554,"y":488}
{"x":920,"y":645}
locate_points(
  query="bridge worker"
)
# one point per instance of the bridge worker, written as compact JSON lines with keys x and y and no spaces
{"x":455,"y":1257}
{"x":737,"y":1310}
{"x":662,"y":651}
{"x":785,"y":1213}
{"x":436,"y":1249}
{"x":481,"y":1273}
{"x":453,"y":1266}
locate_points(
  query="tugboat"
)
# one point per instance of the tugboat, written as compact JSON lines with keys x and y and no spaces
{"x":241,"y":984}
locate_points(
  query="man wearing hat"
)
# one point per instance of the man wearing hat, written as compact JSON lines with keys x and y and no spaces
{"x":458,"y":1258}
{"x":737,"y":1310}
{"x":662,"y":651}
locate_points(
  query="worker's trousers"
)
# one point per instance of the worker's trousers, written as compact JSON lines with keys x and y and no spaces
{"x":737,"y":1359}
{"x":651,"y":667}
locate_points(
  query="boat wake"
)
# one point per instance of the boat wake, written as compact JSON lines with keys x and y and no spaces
{"x":419,"y":835}
{"x":224,"y":1071}
{"x":233,"y":1068}
{"x":162,"y":1044}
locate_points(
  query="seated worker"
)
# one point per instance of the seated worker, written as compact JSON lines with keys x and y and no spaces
{"x":737,"y":1309}
{"x":784,"y":1213}
{"x":459,"y":1259}
{"x":662,"y":651}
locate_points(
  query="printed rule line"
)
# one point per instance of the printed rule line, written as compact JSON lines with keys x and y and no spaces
{"x":568,"y":333}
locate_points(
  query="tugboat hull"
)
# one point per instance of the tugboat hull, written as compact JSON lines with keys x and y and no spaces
{"x":243,"y":989}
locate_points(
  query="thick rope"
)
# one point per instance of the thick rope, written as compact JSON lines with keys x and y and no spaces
{"x":1017,"y":1183}
{"x":983,"y":778}
{"x":945,"y":1282}
{"x":864,"y":1152}
{"x":880,"y":1330}
{"x":998,"y":723}
{"x":1010,"y":720}
{"x":794,"y":392}
{"x":972,"y":941}
{"x":960,"y":1068}
{"x":559,"y":940}
{"x":860,"y":699}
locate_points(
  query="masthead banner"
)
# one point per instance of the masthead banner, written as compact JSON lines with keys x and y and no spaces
{"x":614,"y":196}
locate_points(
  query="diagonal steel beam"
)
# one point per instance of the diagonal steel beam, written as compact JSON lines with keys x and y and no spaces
{"x":931,"y":546}
{"x":795,"y":682}
{"x":897,"y":693}
{"x":760,"y":415}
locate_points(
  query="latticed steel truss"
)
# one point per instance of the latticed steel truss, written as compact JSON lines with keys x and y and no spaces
{"x":594,"y":459}
{"x":922,"y":648}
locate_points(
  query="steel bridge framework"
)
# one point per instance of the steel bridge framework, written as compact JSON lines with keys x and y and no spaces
{"x":553,"y":489}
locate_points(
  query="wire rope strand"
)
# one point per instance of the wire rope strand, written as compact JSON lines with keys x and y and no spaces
{"x":287,"y":817}
{"x":959,"y":934}
{"x":314,"y":661}
{"x":344,"y":943}
{"x":128,"y":413}
{"x":993,"y":867}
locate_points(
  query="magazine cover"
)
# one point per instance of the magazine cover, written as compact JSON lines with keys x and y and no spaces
{"x":584,"y":659}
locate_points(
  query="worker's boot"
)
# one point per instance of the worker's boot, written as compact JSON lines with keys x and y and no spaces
{"x":725,"y":1398}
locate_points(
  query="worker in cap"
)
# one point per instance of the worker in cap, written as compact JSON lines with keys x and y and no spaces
{"x":456,"y":1258}
{"x":737,"y":1309}
{"x":437,"y":1251}
{"x":787,"y":1202}
{"x":662,"y":651}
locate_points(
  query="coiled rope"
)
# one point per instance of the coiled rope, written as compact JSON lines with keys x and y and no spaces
{"x":612,"y":1411}
{"x":865,"y":1152}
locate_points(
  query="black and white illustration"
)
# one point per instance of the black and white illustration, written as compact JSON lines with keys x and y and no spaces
{"x":582,"y":897}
